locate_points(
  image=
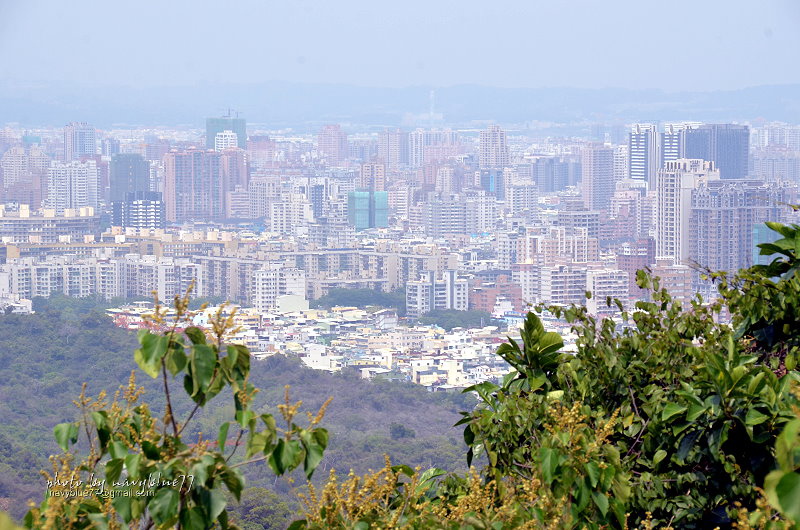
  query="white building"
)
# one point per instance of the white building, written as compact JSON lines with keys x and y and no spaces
{"x":270,"y":284}
{"x":430,"y":293}
{"x":674,"y":186}
{"x":225,"y":140}
{"x":605,"y":283}
{"x":72,"y":185}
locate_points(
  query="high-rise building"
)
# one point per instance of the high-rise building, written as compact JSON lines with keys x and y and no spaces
{"x":727,"y":145}
{"x":226,"y":123}
{"x":130,"y":173}
{"x":109,"y":146}
{"x":597,"y":176}
{"x":492,"y":148}
{"x":393,"y":148}
{"x":269,"y":284}
{"x":79,"y":141}
{"x":643,"y":153}
{"x":235,"y":168}
{"x":372,"y":176}
{"x":226,"y":139}
{"x":723,"y":214}
{"x":332,"y":145}
{"x":24,"y":175}
{"x":430,"y":293}
{"x":72,"y":185}
{"x":368,"y":209}
{"x":604,"y":284}
{"x":423,"y":145}
{"x":671,"y":143}
{"x":493,"y":182}
{"x":143,"y":210}
{"x":674,"y":186}
{"x":444,"y":216}
{"x":621,"y":162}
{"x":193,"y":186}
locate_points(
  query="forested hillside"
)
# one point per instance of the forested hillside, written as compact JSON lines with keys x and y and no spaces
{"x":45,"y":357}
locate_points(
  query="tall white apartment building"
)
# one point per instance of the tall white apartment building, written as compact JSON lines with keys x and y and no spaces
{"x":605,"y":283}
{"x":674,"y":186}
{"x":643,"y":152}
{"x":430,"y":293}
{"x":72,"y":185}
{"x":493,"y":148}
{"x":79,"y":141}
{"x":225,"y":140}
{"x":269,"y":284}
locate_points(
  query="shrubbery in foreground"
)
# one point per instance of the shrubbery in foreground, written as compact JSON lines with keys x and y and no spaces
{"x":671,"y":420}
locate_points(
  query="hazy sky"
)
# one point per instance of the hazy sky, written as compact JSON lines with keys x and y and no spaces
{"x":671,"y":44}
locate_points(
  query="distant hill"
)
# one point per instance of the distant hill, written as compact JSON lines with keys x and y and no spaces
{"x":305,"y":106}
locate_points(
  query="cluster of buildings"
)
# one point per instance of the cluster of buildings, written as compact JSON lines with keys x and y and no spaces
{"x":371,"y":342}
{"x":470,"y":219}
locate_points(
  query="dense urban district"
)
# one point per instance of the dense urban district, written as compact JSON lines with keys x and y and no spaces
{"x":394,"y":229}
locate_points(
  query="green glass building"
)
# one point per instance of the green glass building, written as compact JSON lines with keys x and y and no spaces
{"x":368,"y":209}
{"x":218,"y":125}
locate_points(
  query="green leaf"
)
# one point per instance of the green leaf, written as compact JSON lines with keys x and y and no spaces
{"x":132,"y":462}
{"x":549,"y":463}
{"x":593,"y":471}
{"x":66,"y":434}
{"x":601,"y":501}
{"x":788,"y":493}
{"x":123,"y":507}
{"x":214,"y":503}
{"x":659,"y":456}
{"x":313,"y":457}
{"x":222,"y":438}
{"x":114,"y":469}
{"x":148,"y":357}
{"x":671,"y":410}
{"x":427,"y":479}
{"x":163,"y":506}
{"x":754,"y":417}
{"x":193,"y":519}
{"x":686,"y":444}
{"x":204,"y":360}
{"x":151,"y":450}
{"x":196,"y":335}
{"x":234,"y":482}
{"x":118,"y":450}
{"x":175,"y":360}
{"x":469,"y":436}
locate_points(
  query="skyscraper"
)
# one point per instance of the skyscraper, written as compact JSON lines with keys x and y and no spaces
{"x":674,"y":186}
{"x":226,"y":123}
{"x":225,"y":140}
{"x":393,"y":148}
{"x":332,"y":145}
{"x":372,"y":177}
{"x":130,"y":173}
{"x":724,"y":213}
{"x":493,"y":149}
{"x":727,"y":145}
{"x":368,"y":209}
{"x":72,"y":185}
{"x":193,"y":186}
{"x":79,"y":141}
{"x":597,"y":176}
{"x":140,"y":209}
{"x":643,"y":153}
